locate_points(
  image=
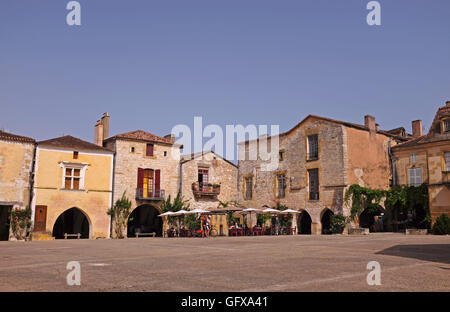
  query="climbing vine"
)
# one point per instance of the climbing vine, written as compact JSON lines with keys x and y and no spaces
{"x":408,"y":197}
{"x":20,"y":222}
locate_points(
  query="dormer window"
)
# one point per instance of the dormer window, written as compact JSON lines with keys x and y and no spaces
{"x":446,"y":123}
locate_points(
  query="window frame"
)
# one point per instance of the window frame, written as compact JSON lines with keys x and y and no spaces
{"x":414,"y":176}
{"x":81,"y":177}
{"x":281,"y":186}
{"x":248,"y":188}
{"x":316,"y":190}
{"x":447,"y":161}
{"x":310,"y":156}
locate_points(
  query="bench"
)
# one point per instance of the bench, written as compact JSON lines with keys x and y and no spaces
{"x":153,"y":234}
{"x":77,"y":235}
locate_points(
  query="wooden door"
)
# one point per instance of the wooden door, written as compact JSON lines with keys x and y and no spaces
{"x":40,"y":218}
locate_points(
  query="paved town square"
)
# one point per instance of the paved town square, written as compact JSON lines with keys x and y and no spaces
{"x":254,"y":264}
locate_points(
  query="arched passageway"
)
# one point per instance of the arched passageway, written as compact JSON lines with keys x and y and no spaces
{"x":71,"y":221}
{"x":144,"y":219}
{"x":326,"y":221}
{"x":372,"y":218}
{"x":5,"y":217}
{"x":304,"y":223}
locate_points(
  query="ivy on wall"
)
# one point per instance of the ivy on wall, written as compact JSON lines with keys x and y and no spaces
{"x":407,"y":197}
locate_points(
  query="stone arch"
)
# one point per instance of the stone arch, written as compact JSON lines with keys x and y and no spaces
{"x":144,"y":219}
{"x":325,"y":220}
{"x":304,"y":223}
{"x":368,"y":216}
{"x":72,"y":221}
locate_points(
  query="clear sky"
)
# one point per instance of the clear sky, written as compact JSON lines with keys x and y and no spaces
{"x":154,"y":64}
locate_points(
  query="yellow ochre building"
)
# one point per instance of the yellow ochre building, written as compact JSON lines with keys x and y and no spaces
{"x":72,"y":189}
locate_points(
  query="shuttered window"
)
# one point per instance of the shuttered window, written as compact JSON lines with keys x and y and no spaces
{"x":313,"y":175}
{"x":281,"y":178}
{"x":415,"y":176}
{"x":149,"y":150}
{"x":248,"y":188}
{"x":313,"y":147}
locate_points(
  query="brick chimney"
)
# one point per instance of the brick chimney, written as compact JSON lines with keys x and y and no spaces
{"x":105,"y":122}
{"x":369,"y":122}
{"x":417,"y":128}
{"x":170,"y":137}
{"x":98,"y":133}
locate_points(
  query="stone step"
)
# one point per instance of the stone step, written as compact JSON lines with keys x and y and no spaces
{"x":41,"y":236}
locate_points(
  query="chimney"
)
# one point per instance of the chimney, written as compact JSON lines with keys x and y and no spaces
{"x":417,"y":128}
{"x":98,"y":133}
{"x":447,"y":104}
{"x":105,"y":123}
{"x":369,"y":122}
{"x":170,"y":137}
{"x":377,"y":127}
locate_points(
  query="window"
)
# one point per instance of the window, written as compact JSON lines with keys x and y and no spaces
{"x":413,"y":158}
{"x":149,"y":150}
{"x":203,"y":179}
{"x":72,"y":177}
{"x":165,"y":153}
{"x":447,"y":161}
{"x":281,"y":187}
{"x":313,"y":147}
{"x":75,"y":155}
{"x":313,"y":175}
{"x":415,"y":176}
{"x":281,"y":155}
{"x":132,"y":149}
{"x":148,"y":184}
{"x":446,"y":125}
{"x":248,"y":188}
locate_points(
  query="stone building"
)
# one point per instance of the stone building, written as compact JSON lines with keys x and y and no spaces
{"x":72,"y":189}
{"x":16,"y":161}
{"x":318,"y":160}
{"x":426,"y":160}
{"x":147,"y":169}
{"x":206,"y":180}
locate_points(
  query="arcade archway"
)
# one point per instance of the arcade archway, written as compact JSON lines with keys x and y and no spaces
{"x":71,"y":221}
{"x":144,"y":219}
{"x":326,"y":221}
{"x":304,"y":223}
{"x":371,"y":218}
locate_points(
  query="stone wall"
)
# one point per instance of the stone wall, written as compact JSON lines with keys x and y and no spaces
{"x":15,"y":167}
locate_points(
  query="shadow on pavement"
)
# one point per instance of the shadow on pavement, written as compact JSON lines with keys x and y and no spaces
{"x":430,"y":252}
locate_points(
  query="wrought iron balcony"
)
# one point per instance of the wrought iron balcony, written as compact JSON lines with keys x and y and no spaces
{"x":150,"y":194}
{"x":205,"y":189}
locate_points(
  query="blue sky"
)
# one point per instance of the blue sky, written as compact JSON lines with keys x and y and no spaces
{"x":155,"y":64}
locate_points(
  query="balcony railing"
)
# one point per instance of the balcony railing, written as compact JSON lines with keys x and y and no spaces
{"x":150,"y":195}
{"x":205,"y":189}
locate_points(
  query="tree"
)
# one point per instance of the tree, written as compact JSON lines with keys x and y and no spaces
{"x":119,"y":214}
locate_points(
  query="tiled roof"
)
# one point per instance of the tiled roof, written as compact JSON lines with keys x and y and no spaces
{"x":15,"y":138}
{"x":189,"y":157}
{"x":73,"y":143}
{"x":434,"y":135}
{"x":141,"y":135}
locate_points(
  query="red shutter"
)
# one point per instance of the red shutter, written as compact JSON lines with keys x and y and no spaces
{"x":149,"y":151}
{"x":157,"y":181}
{"x":140,"y":178}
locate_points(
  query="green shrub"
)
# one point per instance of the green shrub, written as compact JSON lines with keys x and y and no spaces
{"x":337,"y":223}
{"x":442,"y":225}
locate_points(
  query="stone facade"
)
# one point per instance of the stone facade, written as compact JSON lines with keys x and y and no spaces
{"x":428,"y":152}
{"x":16,"y":159}
{"x":130,"y":155}
{"x":220,"y":172}
{"x":347,"y":154}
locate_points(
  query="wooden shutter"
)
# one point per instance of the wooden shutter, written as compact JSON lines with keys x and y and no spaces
{"x":140,"y":178}
{"x":149,"y":150}
{"x":157,"y":182}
